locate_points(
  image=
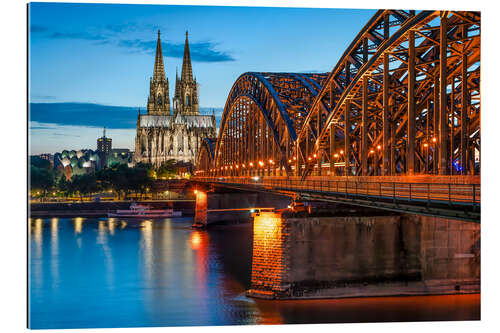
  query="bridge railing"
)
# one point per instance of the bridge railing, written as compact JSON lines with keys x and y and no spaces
{"x":442,"y":192}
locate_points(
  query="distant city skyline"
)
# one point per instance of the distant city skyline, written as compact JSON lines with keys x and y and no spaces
{"x":104,"y":54}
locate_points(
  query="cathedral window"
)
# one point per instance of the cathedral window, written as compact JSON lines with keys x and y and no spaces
{"x":180,"y":141}
{"x":187,"y":100}
{"x":159,"y":99}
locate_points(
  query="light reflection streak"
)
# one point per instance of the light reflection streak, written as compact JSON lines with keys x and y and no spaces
{"x":102,"y":239}
{"x":167,"y":245}
{"x":37,"y":256}
{"x":54,"y":244}
{"x":111,"y":226}
{"x":198,"y":242}
{"x":147,"y":240}
{"x":78,"y":224}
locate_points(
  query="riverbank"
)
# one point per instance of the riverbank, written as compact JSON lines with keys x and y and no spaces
{"x":100,"y":209}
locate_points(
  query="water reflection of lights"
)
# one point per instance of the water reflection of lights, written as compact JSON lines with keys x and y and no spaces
{"x":196,"y":240}
{"x":54,"y":244}
{"x":102,"y":239}
{"x":37,"y":254}
{"x":37,"y":231}
{"x":111,"y":226}
{"x":78,"y":222}
{"x":147,"y":239}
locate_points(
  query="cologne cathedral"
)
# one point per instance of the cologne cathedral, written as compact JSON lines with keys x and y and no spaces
{"x":162,"y":135}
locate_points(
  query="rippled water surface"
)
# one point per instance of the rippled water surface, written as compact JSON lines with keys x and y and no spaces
{"x":118,"y":273}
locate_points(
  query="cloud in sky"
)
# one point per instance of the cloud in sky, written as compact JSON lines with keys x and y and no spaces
{"x":43,"y":97}
{"x":51,"y":138}
{"x":91,"y":115}
{"x":37,"y":28}
{"x":75,"y":35}
{"x":204,"y":51}
{"x":83,"y":114}
{"x":200,"y":51}
{"x":57,"y":126}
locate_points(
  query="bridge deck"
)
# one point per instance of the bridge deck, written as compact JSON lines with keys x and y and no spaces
{"x":458,"y":197}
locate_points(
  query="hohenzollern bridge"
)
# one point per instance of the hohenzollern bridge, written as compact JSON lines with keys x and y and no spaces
{"x":395,"y":125}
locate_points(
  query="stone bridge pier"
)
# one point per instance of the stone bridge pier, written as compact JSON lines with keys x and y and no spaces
{"x":223,"y":206}
{"x":350,"y":256}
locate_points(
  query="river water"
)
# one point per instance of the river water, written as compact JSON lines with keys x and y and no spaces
{"x":100,"y":272}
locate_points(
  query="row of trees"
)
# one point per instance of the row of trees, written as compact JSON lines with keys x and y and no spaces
{"x":118,"y":178}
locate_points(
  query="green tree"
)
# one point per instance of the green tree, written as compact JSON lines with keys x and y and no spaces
{"x":85,"y":184}
{"x":167,"y":169}
{"x":41,"y":179}
{"x":63,"y":185}
{"x":39,"y":162}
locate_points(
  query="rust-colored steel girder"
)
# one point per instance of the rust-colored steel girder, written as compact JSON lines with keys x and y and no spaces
{"x":259,"y":123}
{"x":404,"y":99}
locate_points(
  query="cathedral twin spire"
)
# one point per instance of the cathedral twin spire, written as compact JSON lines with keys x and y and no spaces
{"x":185,"y":100}
{"x":187,"y":71}
{"x":159,"y":70}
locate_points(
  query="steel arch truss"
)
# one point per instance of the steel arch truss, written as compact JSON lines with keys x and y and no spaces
{"x":205,"y":158}
{"x":260,"y":121}
{"x":403,"y":99}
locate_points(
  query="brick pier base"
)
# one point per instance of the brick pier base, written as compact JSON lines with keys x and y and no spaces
{"x":330,"y":257}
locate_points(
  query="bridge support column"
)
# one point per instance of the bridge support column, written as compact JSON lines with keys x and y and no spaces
{"x":351,"y":256}
{"x":410,"y":153}
{"x":443,"y":99}
{"x":347,"y":139}
{"x":333,"y":153}
{"x":200,"y":213}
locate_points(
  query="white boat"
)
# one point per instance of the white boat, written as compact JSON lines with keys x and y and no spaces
{"x":141,"y":211}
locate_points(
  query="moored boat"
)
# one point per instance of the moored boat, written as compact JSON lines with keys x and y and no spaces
{"x":143,"y":211}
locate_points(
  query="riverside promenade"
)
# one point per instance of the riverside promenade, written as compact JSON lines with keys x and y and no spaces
{"x":98,"y":209}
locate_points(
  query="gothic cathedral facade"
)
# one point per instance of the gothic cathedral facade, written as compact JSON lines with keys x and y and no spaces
{"x":162,"y":135}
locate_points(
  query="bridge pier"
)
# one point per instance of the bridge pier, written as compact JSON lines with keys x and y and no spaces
{"x":224,"y":206}
{"x":350,"y":256}
{"x":200,"y":211}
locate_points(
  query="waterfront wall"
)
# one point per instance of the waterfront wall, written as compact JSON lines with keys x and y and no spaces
{"x":363,"y":256}
{"x":97,"y":209}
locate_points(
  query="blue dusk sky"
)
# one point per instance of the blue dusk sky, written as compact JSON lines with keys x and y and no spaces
{"x":89,"y":64}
